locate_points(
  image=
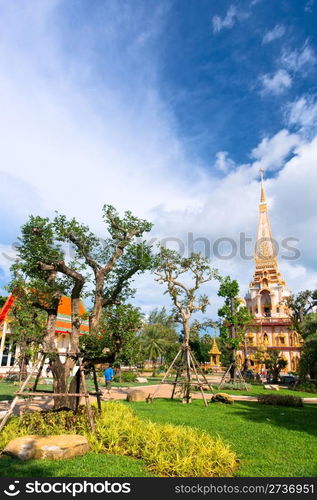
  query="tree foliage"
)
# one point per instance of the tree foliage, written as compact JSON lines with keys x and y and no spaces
{"x":304,"y":319}
{"x":183,"y":277}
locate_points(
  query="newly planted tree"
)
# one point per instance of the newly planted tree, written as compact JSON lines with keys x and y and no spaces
{"x":236,"y":317}
{"x":183,"y":278}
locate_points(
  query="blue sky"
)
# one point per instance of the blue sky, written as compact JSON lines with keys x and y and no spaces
{"x":167,"y":108}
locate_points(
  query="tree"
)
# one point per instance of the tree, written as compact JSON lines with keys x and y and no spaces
{"x":304,"y":320}
{"x":27,"y":325}
{"x":117,"y":341}
{"x":152,"y":343}
{"x":2,"y":300}
{"x":274,"y":363}
{"x":164,"y":322}
{"x":183,"y":277}
{"x":106,"y":266}
{"x":235,"y":320}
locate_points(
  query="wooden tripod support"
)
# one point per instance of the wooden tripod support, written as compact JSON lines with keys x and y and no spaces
{"x":29,"y":394}
{"x":240,"y":377}
{"x":183,"y":376}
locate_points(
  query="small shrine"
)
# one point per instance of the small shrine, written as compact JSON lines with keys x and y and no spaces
{"x":214,"y":354}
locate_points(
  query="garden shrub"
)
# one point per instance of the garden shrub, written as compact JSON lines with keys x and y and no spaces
{"x":236,"y":386}
{"x":126,"y":377}
{"x":305,"y":387}
{"x":280,"y":400}
{"x":168,"y":450}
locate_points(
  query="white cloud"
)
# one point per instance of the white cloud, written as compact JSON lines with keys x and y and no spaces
{"x":299,"y":59}
{"x":275,"y":33}
{"x":228,"y":21}
{"x":223,"y":162}
{"x":69,"y":144}
{"x":276,"y":83}
{"x":303,"y":113}
{"x":272,"y":151}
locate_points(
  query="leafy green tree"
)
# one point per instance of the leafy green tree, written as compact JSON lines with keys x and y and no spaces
{"x":164,"y":321}
{"x":2,"y":300}
{"x":107,"y":266}
{"x":28,"y":325}
{"x":236,"y":317}
{"x":274,"y":363}
{"x":304,"y":319}
{"x":152,"y":343}
{"x":117,"y":341}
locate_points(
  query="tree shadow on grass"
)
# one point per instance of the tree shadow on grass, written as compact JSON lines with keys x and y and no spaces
{"x":294,"y":419}
{"x":11,"y":467}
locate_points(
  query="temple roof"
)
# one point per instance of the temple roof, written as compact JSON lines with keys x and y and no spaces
{"x":64,"y":320}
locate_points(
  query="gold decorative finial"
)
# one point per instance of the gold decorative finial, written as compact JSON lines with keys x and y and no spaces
{"x":262,"y":186}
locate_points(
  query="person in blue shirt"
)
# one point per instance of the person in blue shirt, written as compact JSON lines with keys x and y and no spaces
{"x":108,"y":374}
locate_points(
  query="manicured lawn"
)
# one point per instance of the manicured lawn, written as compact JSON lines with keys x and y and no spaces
{"x":7,"y":390}
{"x":91,"y":465}
{"x":269,"y":440}
{"x":255,"y":390}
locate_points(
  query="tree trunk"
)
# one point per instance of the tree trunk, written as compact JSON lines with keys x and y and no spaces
{"x":94,"y":318}
{"x":233,"y":350}
{"x":23,"y":362}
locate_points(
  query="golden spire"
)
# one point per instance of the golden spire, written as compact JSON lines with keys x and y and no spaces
{"x":262,"y":186}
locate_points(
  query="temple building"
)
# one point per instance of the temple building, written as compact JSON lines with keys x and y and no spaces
{"x":9,"y":350}
{"x":271,"y":327}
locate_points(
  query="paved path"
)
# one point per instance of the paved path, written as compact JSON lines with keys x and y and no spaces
{"x":120,"y":393}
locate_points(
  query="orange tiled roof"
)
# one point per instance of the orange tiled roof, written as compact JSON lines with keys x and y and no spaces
{"x":63,"y":323}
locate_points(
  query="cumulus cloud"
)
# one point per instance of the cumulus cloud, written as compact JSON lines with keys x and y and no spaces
{"x":79,"y":131}
{"x":273,"y":34}
{"x":276,"y":83}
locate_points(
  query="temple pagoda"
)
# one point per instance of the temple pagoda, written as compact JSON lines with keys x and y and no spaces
{"x":271,"y":327}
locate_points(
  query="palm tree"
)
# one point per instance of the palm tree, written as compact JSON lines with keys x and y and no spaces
{"x":152,"y":343}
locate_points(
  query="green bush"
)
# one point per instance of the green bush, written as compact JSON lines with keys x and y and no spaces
{"x":306,"y":387}
{"x":126,"y":377}
{"x":168,"y":450}
{"x":280,"y":400}
{"x":235,"y":386}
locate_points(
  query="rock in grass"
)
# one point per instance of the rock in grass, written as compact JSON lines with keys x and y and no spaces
{"x":135,"y":395}
{"x":47,"y":447}
{"x":222,"y":397}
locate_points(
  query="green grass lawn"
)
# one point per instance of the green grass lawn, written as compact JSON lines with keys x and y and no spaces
{"x":90,"y":465}
{"x":269,"y":440}
{"x":7,"y":389}
{"x":256,"y":390}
